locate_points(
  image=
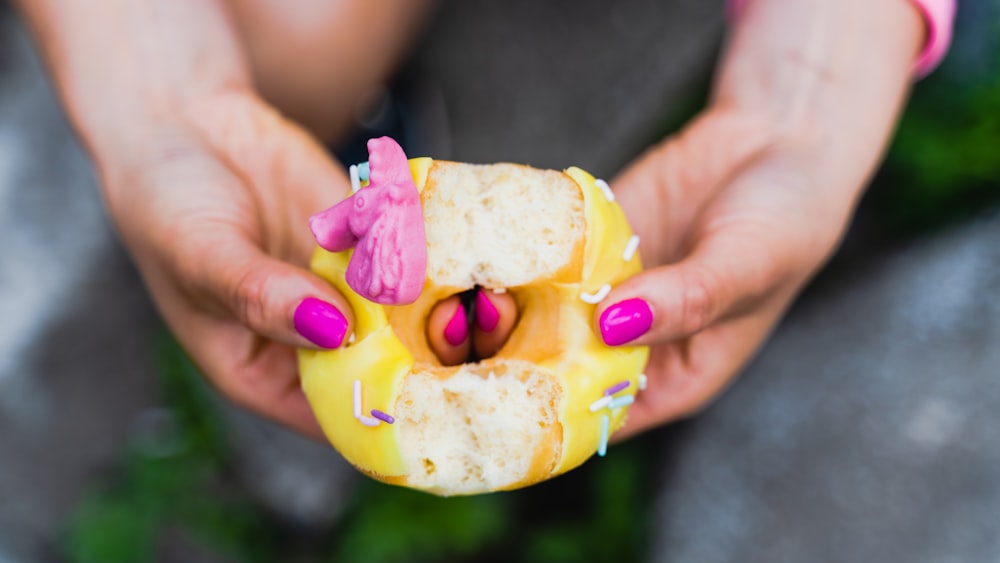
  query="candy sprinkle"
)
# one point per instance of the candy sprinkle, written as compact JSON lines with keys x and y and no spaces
{"x":630,"y":248}
{"x":642,"y":382}
{"x":369,"y":421}
{"x":499,"y":290}
{"x":597,"y":297}
{"x":600,"y":404}
{"x":384,"y":417}
{"x":622,"y":401}
{"x":602,"y":447}
{"x":355,"y":179}
{"x":606,"y":189}
{"x":357,"y":398}
{"x":364,"y":171}
{"x":616,"y":387}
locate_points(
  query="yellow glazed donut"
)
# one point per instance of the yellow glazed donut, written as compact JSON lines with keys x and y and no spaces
{"x":548,"y":400}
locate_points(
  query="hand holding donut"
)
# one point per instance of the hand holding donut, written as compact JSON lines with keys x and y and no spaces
{"x":741,"y":208}
{"x":214,"y":219}
{"x":209,"y":187}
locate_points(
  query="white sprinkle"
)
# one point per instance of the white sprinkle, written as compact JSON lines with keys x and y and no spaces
{"x":622,"y":401}
{"x":499,"y":290}
{"x":602,"y":447}
{"x":642,"y":382}
{"x":608,"y":194}
{"x":351,"y":339}
{"x":369,"y":421}
{"x":600,"y":403}
{"x":630,"y":248}
{"x":595,"y":298}
{"x":357,"y":398}
{"x":355,"y":179}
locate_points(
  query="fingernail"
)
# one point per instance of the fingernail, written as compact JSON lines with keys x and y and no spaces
{"x":458,"y":329}
{"x":625,"y":321}
{"x":487,"y":315}
{"x":320,"y":322}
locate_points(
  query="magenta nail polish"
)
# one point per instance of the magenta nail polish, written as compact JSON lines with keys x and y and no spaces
{"x":320,"y":322}
{"x":458,"y":329}
{"x":625,"y":321}
{"x":487,"y":315}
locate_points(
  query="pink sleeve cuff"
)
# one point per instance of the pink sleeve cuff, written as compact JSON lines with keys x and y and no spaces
{"x":939,"y":17}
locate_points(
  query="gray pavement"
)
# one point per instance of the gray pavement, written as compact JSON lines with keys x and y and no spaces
{"x":77,"y":336}
{"x":867,"y":430}
{"x":72,"y":372}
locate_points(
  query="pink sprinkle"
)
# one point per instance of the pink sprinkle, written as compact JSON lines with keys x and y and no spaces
{"x":383,"y":416}
{"x":616,"y":387}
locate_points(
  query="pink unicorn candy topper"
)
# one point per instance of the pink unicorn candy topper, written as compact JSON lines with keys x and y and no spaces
{"x":384,"y":223}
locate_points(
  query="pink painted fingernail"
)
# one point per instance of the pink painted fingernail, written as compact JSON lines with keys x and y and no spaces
{"x":625,"y":321}
{"x":458,"y":329}
{"x":487,"y":315}
{"x":320,"y":322}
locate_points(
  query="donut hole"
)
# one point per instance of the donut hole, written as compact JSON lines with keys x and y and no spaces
{"x":489,"y":344}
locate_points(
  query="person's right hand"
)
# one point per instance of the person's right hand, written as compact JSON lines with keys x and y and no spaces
{"x":214,"y":209}
{"x":209,"y":186}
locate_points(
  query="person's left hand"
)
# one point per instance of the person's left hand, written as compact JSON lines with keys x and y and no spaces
{"x":730,"y":232}
{"x":742,"y":208}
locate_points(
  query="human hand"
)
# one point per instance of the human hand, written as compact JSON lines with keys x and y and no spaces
{"x":214,"y":209}
{"x":209,"y":187}
{"x":739,"y":211}
{"x":730,"y":232}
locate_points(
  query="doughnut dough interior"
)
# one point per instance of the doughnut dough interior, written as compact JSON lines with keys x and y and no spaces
{"x":524,"y":415}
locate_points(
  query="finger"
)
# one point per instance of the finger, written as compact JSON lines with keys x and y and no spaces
{"x":684,"y":379}
{"x":496,"y":315}
{"x":448,"y":331}
{"x":257,"y":374}
{"x":670,"y":183}
{"x":314,"y":182}
{"x":272,"y":298}
{"x":727,"y":272}
{"x":293,"y":176}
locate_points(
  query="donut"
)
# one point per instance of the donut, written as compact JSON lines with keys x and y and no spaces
{"x":557,"y":242}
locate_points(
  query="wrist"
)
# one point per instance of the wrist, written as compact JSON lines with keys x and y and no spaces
{"x":127,"y":69}
{"x":830,"y":87}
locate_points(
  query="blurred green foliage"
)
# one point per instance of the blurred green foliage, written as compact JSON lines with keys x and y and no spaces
{"x":944,"y":162}
{"x":178,"y":485}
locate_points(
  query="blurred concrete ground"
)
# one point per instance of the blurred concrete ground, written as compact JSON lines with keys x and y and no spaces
{"x":866,"y":431}
{"x":74,"y":370}
{"x":77,"y":380}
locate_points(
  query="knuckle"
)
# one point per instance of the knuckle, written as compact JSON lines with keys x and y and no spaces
{"x":697,"y":302}
{"x":249,"y":296}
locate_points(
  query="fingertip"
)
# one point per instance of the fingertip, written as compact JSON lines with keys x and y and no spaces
{"x":625,"y":320}
{"x":659,"y":305}
{"x":496,"y":315}
{"x":320,"y":322}
{"x":457,"y":329}
{"x":448,"y":331}
{"x":487,"y":315}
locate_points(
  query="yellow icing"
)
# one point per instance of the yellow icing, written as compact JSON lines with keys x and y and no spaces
{"x":587,"y":366}
{"x":583,"y":365}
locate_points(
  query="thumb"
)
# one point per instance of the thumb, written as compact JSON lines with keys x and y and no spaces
{"x":724,"y":275}
{"x":277,"y":299}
